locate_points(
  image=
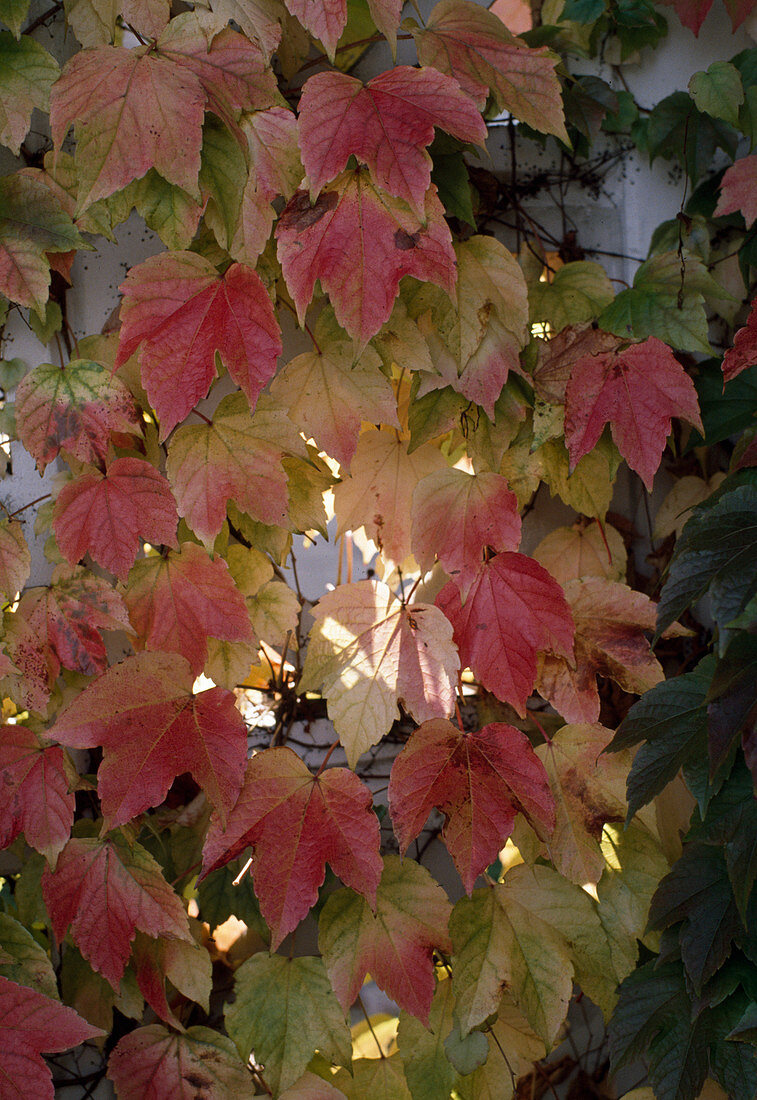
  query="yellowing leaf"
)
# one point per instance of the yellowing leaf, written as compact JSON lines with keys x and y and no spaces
{"x":379,"y":1078}
{"x":367,"y":653}
{"x":27,"y":73}
{"x":571,"y":553}
{"x":675,"y":509}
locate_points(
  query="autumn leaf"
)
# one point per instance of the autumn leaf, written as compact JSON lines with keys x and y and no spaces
{"x":743,"y":354}
{"x":107,"y":515}
{"x":187,"y":966}
{"x":27,"y":73}
{"x":285,"y":1009}
{"x":474,"y":46}
{"x":394,"y":944}
{"x":296,"y":822}
{"x":378,"y":493}
{"x":152,"y":729}
{"x":583,"y":550}
{"x":36,"y":797}
{"x":176,"y":602}
{"x":33,"y":223}
{"x":272,"y":139}
{"x":693,"y":13}
{"x":15,"y":558}
{"x":387,"y":124}
{"x":380,"y":1078}
{"x":457,"y":515}
{"x":117,"y":99}
{"x":359,"y":242}
{"x":33,"y":1024}
{"x":557,"y":355}
{"x":75,"y":408}
{"x":737,"y":189}
{"x":636,"y":391}
{"x":152,"y":1063}
{"x":105,"y":890}
{"x":236,"y":457}
{"x":612,"y":624}
{"x":367,"y":653}
{"x":330,"y":392}
{"x":514,"y":609}
{"x":478,"y":780}
{"x":181,"y":313}
{"x":312,"y":1087}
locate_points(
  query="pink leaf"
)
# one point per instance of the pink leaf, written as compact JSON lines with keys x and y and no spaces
{"x":36,"y":799}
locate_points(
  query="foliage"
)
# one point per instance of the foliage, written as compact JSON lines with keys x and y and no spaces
{"x":292,"y":173}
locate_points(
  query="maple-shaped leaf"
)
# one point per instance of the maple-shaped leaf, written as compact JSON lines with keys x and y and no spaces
{"x":368,"y":652}
{"x":231,"y":69}
{"x":118,"y":100}
{"x":387,"y":124}
{"x":32,"y":1024}
{"x":33,"y":223}
{"x":107,"y":515}
{"x":359,"y":242}
{"x":473,"y":45}
{"x":394,"y":944}
{"x":380,"y":1078}
{"x":478,"y":780}
{"x":737,"y":190}
{"x":329,"y":393}
{"x":514,"y":609}
{"x":27,"y":73}
{"x":285,"y":1010}
{"x":379,"y":491}
{"x":36,"y":798}
{"x":151,"y":729}
{"x":295,"y":822}
{"x":583,"y":550}
{"x":325,"y":20}
{"x":152,"y":1063}
{"x":105,"y":890}
{"x":557,"y":356}
{"x":236,"y":457}
{"x":187,"y":966}
{"x":612,"y":623}
{"x":180,"y":312}
{"x":64,"y":623}
{"x":75,"y":408}
{"x":176,"y":602}
{"x":693,"y":13}
{"x":589,"y":788}
{"x":636,"y":391}
{"x":15,"y":558}
{"x":457,"y":515}
{"x":743,"y":354}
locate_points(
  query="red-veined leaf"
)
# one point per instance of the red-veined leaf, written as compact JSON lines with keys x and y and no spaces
{"x":36,"y":798}
{"x":738,"y":190}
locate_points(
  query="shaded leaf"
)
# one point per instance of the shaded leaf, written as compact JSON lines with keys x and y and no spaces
{"x":15,"y":558}
{"x":27,"y":73}
{"x":36,"y":798}
{"x":573,"y":553}
{"x":23,"y":960}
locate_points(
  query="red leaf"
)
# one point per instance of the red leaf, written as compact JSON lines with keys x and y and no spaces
{"x":295,"y":823}
{"x":181,"y":312}
{"x":738,"y":190}
{"x":386,"y":123}
{"x":33,"y":1023}
{"x":514,"y":609}
{"x":75,"y":408}
{"x":104,"y":515}
{"x":152,"y":729}
{"x":693,"y":13}
{"x":325,"y":19}
{"x":636,"y":391}
{"x":476,"y":48}
{"x":395,"y":944}
{"x":479,"y":781}
{"x":456,"y":515}
{"x":36,"y":799}
{"x":105,"y":890}
{"x":359,"y":242}
{"x":743,"y":354}
{"x":133,"y":111}
{"x":175,"y":603}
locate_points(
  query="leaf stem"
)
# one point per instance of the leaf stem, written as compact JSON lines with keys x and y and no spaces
{"x":37,"y":500}
{"x":202,"y":416}
{"x":325,"y":760}
{"x":370,"y":1026}
{"x":305,"y":325}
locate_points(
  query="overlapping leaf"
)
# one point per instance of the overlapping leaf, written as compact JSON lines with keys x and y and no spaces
{"x":368,"y":653}
{"x":394,"y":944}
{"x":75,"y":408}
{"x":15,"y":558}
{"x":295,"y":822}
{"x":175,"y":603}
{"x":387,"y":124}
{"x":106,"y":515}
{"x":186,"y":966}
{"x":737,"y":189}
{"x":27,"y":72}
{"x":514,"y":609}
{"x":359,"y":242}
{"x":36,"y":798}
{"x":478,"y":780}
{"x":583,"y":550}
{"x":152,"y":729}
{"x":636,"y":391}
{"x":743,"y":354}
{"x":105,"y":890}
{"x":181,"y":313}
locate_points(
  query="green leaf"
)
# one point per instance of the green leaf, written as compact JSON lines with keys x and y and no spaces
{"x":168,"y":211}
{"x":218,"y":899}
{"x":13,"y":13}
{"x":718,"y":91}
{"x":285,"y":1010}
{"x":578,"y":292}
{"x":731,"y":824}
{"x":678,"y":131}
{"x":47,"y":323}
{"x":450,"y":174}
{"x":27,"y":73}
{"x":434,"y":414}
{"x":223,"y":175}
{"x":732,"y":697}
{"x":583,"y":11}
{"x":428,"y":1070}
{"x":377,"y":1078}
{"x":726,"y":410}
{"x":22,"y":960}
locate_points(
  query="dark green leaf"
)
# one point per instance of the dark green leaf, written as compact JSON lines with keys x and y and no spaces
{"x":725,"y":410}
{"x":678,"y":131}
